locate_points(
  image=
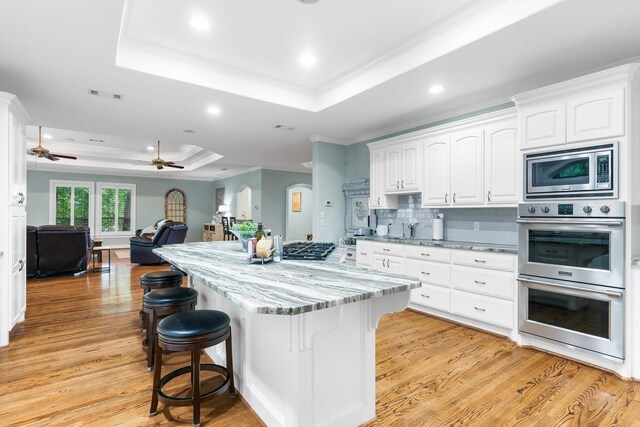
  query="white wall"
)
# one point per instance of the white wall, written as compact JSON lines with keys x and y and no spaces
{"x":299,"y":224}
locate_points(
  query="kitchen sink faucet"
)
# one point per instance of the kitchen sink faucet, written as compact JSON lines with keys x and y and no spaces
{"x":412,"y":228}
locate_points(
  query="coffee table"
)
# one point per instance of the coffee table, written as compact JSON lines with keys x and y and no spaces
{"x":99,"y":250}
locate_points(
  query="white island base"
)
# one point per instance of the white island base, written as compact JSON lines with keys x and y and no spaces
{"x":310,"y":369}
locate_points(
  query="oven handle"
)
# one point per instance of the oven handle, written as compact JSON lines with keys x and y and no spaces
{"x":571,"y":221}
{"x":570,"y":290}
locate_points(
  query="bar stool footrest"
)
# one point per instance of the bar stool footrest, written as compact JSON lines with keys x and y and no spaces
{"x":187,"y":401}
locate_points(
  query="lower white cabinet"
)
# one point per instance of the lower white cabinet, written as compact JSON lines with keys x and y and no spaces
{"x":388,"y":263}
{"x":435,"y":273}
{"x":363,"y":253}
{"x":432,"y":296}
{"x":481,"y":281}
{"x":489,"y":310}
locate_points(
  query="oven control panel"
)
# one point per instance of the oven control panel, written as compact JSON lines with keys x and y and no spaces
{"x":579,"y":209}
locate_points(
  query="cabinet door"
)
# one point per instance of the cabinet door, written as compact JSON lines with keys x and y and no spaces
{"x":392,"y":167}
{"x":501,"y":162}
{"x":375,"y":180}
{"x":542,"y":125}
{"x":395,"y":265}
{"x":467,"y":167}
{"x":17,"y":164}
{"x":18,"y":264}
{"x":363,"y":253}
{"x":410,"y":178}
{"x":596,"y":114}
{"x":435,"y":187}
{"x":379,"y":262}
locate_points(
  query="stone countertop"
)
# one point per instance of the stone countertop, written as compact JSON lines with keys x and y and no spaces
{"x":289,"y":287}
{"x":447,"y":244}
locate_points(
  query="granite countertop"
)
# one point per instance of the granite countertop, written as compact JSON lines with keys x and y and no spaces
{"x":448,"y":244}
{"x":289,"y":287}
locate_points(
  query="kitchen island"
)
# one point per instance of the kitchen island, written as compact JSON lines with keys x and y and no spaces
{"x":303,"y":331}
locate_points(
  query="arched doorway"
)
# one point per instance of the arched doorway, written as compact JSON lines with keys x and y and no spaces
{"x":299,"y":212}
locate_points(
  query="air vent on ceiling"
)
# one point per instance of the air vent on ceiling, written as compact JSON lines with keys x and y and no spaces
{"x":104,"y":94}
{"x":283,"y":127}
{"x":189,"y":131}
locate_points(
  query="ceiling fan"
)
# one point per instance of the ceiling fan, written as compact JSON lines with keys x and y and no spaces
{"x":160,"y":164}
{"x":42,"y":152}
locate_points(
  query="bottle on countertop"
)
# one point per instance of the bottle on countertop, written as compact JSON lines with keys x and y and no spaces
{"x":260,"y":234}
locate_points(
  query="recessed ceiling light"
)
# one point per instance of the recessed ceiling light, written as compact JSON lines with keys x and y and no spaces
{"x":150,"y":148}
{"x":436,"y":89}
{"x":199,"y":23}
{"x":307,"y":60}
{"x":46,"y":136}
{"x":213,"y":110}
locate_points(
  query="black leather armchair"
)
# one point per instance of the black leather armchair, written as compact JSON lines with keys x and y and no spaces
{"x":62,"y":249}
{"x":142,"y":247}
{"x":32,"y":251}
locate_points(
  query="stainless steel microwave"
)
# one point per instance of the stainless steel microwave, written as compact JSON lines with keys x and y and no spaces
{"x":589,"y":171}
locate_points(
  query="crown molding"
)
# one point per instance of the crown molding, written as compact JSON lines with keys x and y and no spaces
{"x":320,"y":138}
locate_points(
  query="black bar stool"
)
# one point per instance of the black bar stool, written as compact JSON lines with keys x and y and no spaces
{"x":158,"y":280}
{"x":192,"y":331}
{"x":161,"y":303}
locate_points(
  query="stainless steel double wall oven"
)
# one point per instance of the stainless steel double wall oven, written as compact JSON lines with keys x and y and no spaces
{"x":571,"y":273}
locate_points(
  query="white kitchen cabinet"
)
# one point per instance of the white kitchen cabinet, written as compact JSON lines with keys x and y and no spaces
{"x":12,"y":214}
{"x":483,"y":281}
{"x":432,"y":296}
{"x":504,"y":262}
{"x":467,"y":172}
{"x":434,"y":273}
{"x":402,"y":168}
{"x":542,"y":124}
{"x":384,"y":248}
{"x":501,"y":162}
{"x":388,"y":263}
{"x":489,"y":310}
{"x":427,"y":253}
{"x":595,"y":114}
{"x":436,"y":172}
{"x":363,"y":253}
{"x":377,"y":198}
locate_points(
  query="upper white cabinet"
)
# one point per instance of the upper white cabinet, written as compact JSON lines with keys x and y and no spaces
{"x":543,"y":125}
{"x":436,"y":170}
{"x":501,"y":162}
{"x":17,"y":166}
{"x":377,"y":197}
{"x":467,"y":171}
{"x":595,"y":114}
{"x":402,"y":168}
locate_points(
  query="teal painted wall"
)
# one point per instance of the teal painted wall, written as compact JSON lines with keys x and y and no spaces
{"x":231,"y":185}
{"x":150,"y":194}
{"x":274,"y":197}
{"x":357,"y":161}
{"x":329,"y":174}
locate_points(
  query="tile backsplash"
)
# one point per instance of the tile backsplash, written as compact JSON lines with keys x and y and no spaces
{"x":496,"y":225}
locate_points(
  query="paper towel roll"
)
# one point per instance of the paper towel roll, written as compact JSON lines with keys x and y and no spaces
{"x":437,"y":226}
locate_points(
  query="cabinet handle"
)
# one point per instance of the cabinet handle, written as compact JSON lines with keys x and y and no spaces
{"x":378,"y":200}
{"x":479,"y":282}
{"x":21,"y":262}
{"x":398,"y":185}
{"x":423,"y":254}
{"x":481,"y":261}
{"x":402,"y":184}
{"x":446,"y":195}
{"x":426,"y":273}
{"x":454,"y":197}
{"x":386,"y":250}
{"x":479,"y":309}
{"x":425,"y":296}
{"x":363,"y":253}
{"x":489,"y":195}
{"x":20,"y":198}
{"x":383,"y":260}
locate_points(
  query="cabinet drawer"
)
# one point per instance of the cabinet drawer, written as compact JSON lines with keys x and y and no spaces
{"x":435,"y":273}
{"x":393,"y":249}
{"x":432,"y":296}
{"x":427,"y":253}
{"x":363,"y":253}
{"x":486,"y":282}
{"x":487,"y":309}
{"x":483,"y":260}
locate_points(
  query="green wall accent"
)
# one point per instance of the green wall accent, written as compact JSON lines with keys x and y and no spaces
{"x":329,"y":174}
{"x":150,"y":194}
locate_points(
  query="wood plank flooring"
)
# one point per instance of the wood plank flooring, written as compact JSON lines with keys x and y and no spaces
{"x":77,"y":361}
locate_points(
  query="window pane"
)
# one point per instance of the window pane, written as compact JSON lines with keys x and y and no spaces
{"x":108,"y":209}
{"x":124,"y":210}
{"x":63,"y":205}
{"x":81,"y":207}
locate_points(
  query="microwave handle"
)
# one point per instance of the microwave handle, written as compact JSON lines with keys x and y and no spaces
{"x":569,"y":290}
{"x":571,"y":221}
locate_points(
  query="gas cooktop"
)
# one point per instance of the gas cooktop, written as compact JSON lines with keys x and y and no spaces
{"x":307,"y":250}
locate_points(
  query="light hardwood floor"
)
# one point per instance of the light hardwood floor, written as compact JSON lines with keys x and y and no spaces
{"x":77,"y":361}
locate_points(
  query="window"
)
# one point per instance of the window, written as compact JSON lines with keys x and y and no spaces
{"x":175,"y":205}
{"x":116,"y":208}
{"x":71,"y":203}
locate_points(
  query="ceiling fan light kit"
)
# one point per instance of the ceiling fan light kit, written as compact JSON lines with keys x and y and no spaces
{"x":160,"y":164}
{"x":42,"y":152}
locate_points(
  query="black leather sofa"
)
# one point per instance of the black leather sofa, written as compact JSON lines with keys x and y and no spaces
{"x":142,"y":247}
{"x":57,"y":249}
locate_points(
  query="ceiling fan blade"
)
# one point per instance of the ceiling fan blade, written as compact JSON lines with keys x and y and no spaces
{"x":159,"y":166}
{"x":62,"y":156}
{"x":51,"y":157}
{"x":171,"y":165}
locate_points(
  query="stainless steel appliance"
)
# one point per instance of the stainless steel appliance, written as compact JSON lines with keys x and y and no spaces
{"x":571,"y":273}
{"x":573,"y":173}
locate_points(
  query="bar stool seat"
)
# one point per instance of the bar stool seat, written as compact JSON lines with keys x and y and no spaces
{"x":192,"y":331}
{"x":159,"y":304}
{"x":157,"y":280}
